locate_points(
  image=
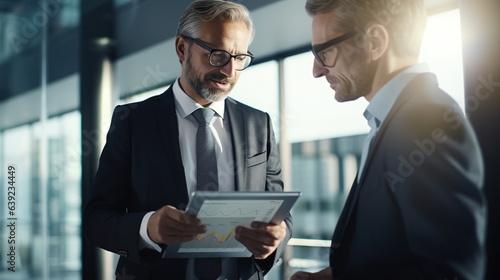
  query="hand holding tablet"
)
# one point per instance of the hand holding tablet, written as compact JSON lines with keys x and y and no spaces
{"x":222,"y":213}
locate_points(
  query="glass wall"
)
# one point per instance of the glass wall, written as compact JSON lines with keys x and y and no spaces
{"x":258,"y":87}
{"x":44,"y":228}
{"x":442,"y":51}
{"x":17,"y":152}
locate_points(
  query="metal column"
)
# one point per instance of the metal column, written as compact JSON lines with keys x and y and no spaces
{"x":96,"y":102}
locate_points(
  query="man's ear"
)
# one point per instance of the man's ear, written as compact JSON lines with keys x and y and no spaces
{"x":378,"y":40}
{"x":181,"y":46}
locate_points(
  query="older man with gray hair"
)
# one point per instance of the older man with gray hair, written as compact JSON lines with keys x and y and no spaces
{"x":191,"y":137}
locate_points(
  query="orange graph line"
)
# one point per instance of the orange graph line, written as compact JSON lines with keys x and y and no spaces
{"x":220,"y":239}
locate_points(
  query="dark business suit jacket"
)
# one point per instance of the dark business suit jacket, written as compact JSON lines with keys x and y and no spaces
{"x":141,"y":170}
{"x":418,"y":210}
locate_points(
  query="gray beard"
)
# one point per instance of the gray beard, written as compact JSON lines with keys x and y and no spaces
{"x":201,"y":88}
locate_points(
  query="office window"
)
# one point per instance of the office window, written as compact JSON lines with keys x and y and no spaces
{"x":258,"y":87}
{"x":64,"y":195}
{"x":442,"y":51}
{"x":312,"y":111}
{"x":16,"y":151}
{"x":48,"y":215}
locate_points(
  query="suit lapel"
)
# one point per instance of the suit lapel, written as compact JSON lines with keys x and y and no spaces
{"x":167,"y":125}
{"x":420,"y":82}
{"x":237,"y":126}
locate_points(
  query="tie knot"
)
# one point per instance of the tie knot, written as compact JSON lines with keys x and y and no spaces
{"x":203,"y":115}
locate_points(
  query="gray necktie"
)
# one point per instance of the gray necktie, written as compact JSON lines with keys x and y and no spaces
{"x":206,"y":180}
{"x":206,"y":161}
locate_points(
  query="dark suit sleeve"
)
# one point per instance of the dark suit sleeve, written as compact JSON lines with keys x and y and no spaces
{"x":107,"y":222}
{"x":435,"y":172}
{"x":274,"y":182}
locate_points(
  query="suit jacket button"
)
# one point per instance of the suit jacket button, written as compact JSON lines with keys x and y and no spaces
{"x":123,"y":253}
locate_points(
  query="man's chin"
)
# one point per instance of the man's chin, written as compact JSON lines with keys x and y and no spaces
{"x":345,"y":98}
{"x":215,"y":96}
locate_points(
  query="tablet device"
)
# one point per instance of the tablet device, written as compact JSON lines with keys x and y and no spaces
{"x":221,"y":213}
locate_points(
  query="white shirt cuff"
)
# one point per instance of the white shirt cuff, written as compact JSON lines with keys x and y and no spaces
{"x":145,"y":241}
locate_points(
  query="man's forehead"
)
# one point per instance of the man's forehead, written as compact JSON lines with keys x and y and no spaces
{"x":324,"y":27}
{"x":231,"y":36}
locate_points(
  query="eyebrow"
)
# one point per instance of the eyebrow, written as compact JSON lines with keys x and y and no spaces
{"x":206,"y":46}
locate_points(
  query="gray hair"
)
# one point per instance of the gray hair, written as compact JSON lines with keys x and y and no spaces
{"x":404,"y":20}
{"x":206,"y":10}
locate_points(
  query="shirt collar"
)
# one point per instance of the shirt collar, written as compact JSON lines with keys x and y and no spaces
{"x":185,"y":105}
{"x":373,"y":122}
{"x":384,"y":99}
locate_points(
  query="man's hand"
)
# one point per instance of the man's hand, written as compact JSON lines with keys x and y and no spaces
{"x":325,"y":274}
{"x":262,"y":239}
{"x":169,"y":225}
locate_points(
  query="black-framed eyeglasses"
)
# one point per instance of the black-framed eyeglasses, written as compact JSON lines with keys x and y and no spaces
{"x":325,"y":54}
{"x":219,"y":58}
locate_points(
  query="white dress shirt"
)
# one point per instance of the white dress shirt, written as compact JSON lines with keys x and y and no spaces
{"x":184,"y":106}
{"x":381,"y":104}
{"x":188,"y":126}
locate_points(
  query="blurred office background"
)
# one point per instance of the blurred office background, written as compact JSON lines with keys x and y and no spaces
{"x":64,"y":64}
